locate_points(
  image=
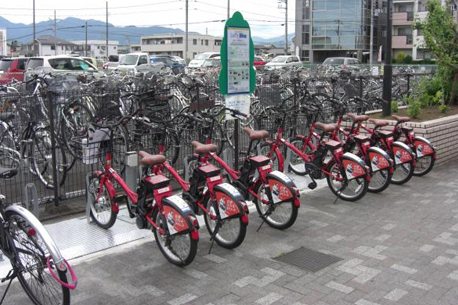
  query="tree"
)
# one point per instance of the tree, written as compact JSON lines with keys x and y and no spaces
{"x":441,"y":37}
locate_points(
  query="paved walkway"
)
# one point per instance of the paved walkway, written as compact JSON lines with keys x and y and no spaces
{"x":398,"y":247}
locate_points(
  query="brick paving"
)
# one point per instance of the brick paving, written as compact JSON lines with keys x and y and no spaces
{"x":398,"y":247}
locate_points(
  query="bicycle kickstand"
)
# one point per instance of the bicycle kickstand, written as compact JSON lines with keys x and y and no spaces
{"x":212,"y":238}
{"x":266,"y":214}
{"x":9,"y":277}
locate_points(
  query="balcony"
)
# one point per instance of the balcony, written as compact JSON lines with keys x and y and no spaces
{"x":402,"y":42}
{"x":404,"y":18}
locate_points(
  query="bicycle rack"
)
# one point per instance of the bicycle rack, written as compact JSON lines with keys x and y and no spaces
{"x":88,"y":199}
{"x":187,"y":174}
{"x":36,"y":209}
{"x":131,"y":171}
{"x":287,"y":161}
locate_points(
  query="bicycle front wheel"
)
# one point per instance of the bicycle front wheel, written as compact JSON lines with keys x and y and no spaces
{"x":179,"y":249}
{"x":31,"y":264}
{"x":402,"y":173}
{"x":232,"y":231}
{"x":279,"y":216}
{"x":348,"y":190}
{"x":101,"y":206}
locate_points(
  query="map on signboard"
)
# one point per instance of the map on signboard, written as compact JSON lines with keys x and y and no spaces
{"x":238,"y":58}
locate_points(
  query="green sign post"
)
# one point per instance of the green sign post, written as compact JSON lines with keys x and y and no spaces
{"x":237,"y":78}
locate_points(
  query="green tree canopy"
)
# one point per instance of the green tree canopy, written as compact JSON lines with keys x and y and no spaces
{"x":441,"y":37}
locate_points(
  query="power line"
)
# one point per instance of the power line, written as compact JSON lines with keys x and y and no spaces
{"x":84,"y":9}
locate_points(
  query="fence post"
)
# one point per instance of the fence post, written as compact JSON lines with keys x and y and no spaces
{"x":55,"y":173}
{"x":236,"y":143}
{"x":361,"y":86}
{"x":408,"y":84}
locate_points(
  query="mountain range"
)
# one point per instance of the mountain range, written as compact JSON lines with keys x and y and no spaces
{"x":74,"y":29}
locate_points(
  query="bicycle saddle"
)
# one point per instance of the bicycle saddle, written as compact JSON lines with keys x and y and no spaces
{"x":357,"y":118}
{"x":202,"y":149}
{"x":326,"y":127}
{"x":256,"y":134}
{"x":379,"y":123}
{"x":148,"y":159}
{"x":6,"y":173}
{"x":401,"y":119}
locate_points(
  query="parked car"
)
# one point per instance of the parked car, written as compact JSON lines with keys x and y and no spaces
{"x":90,"y":60}
{"x":180,"y":60}
{"x":198,"y":61}
{"x":12,"y":68}
{"x":211,"y":63}
{"x":169,"y":62}
{"x":138,"y":62}
{"x":283,"y":61}
{"x":346,"y":63}
{"x":56,"y":64}
{"x":259,"y":62}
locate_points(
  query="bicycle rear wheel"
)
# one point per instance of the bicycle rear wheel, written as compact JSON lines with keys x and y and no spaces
{"x":266,"y":150}
{"x":424,"y":165}
{"x":179,"y":249}
{"x":232,"y":231}
{"x":31,"y":264}
{"x":296,"y":162}
{"x":102,"y":208}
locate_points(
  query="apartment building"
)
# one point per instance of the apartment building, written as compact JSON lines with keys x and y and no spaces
{"x":330,"y":28}
{"x":174,"y":44}
{"x":98,"y":48}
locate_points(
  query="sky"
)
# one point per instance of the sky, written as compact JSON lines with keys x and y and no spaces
{"x":265,"y":18}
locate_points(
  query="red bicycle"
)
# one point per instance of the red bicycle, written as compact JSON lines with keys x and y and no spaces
{"x":404,"y":158}
{"x":346,"y":174}
{"x":222,"y":205}
{"x":425,"y":152}
{"x":171,"y":219}
{"x":378,"y":161}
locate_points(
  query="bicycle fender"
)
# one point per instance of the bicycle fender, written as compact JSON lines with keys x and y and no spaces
{"x":379,"y":159}
{"x":353,"y":166}
{"x":230,"y":202}
{"x":423,"y":147}
{"x":402,"y":153}
{"x":282,"y":188}
{"x":41,"y":231}
{"x":179,"y":215}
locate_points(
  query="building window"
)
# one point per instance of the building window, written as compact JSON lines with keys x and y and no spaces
{"x":306,"y":34}
{"x":179,"y":40}
{"x":305,"y":55}
{"x":53,"y":47}
{"x":114,"y":48}
{"x":201,"y":42}
{"x":194,"y":41}
{"x":206,"y":42}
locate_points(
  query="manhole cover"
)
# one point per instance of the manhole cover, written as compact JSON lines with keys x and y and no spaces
{"x":307,"y":259}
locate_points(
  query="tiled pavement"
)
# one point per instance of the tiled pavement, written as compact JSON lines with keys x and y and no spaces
{"x":398,"y":247}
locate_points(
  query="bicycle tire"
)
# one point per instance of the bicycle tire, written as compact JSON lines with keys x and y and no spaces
{"x":31,"y":255}
{"x":296,"y":163}
{"x":361,"y":185}
{"x":384,"y":176}
{"x":7,"y":148}
{"x":420,"y":169}
{"x":74,"y":127}
{"x":42,"y":161}
{"x":275,"y":220}
{"x":266,"y":150}
{"x":224,"y":238}
{"x":170,"y":253}
{"x":101,"y":212}
{"x":402,"y":173}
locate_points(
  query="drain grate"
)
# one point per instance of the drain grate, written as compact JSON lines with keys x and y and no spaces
{"x":308,"y":259}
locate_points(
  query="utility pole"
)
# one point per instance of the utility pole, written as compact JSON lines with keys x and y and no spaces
{"x":186,"y":36}
{"x":106,"y":46}
{"x":228,"y":9}
{"x":85,"y":43}
{"x":371,"y":48}
{"x":55,"y":33}
{"x":388,"y":69}
{"x":34,"y":43}
{"x":286,"y":27}
{"x":280,"y":2}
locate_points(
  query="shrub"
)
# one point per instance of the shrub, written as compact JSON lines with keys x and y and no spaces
{"x":443,"y":108}
{"x":414,"y":109}
{"x":408,"y":59}
{"x":400,"y":58}
{"x":394,"y":106}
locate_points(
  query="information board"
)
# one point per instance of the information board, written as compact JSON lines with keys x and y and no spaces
{"x":238,"y":59}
